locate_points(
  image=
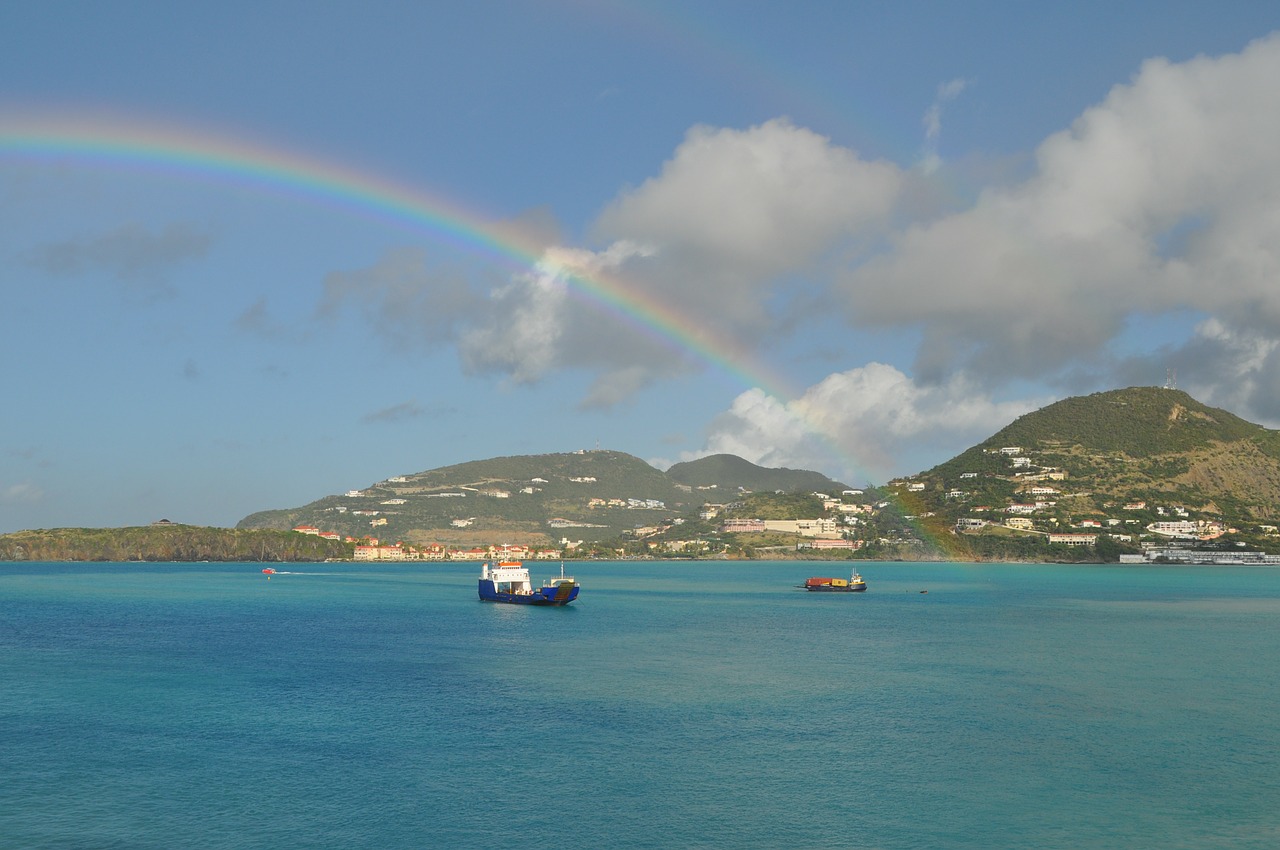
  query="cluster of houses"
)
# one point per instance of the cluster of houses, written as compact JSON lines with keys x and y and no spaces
{"x":1020,"y":515}
{"x":372,"y":549}
{"x":819,"y":533}
{"x":629,"y":504}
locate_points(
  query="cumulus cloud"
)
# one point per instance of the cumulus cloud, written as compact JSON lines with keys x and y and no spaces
{"x":741,"y":229}
{"x":866,"y":421}
{"x":559,"y":315}
{"x":766,"y":200}
{"x":525,"y":321}
{"x":738,"y":217}
{"x":1160,"y":198}
{"x":725,"y":234}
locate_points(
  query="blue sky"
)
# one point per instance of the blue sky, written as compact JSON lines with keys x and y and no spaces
{"x":883,"y":231}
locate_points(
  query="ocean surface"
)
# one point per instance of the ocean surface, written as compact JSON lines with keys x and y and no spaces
{"x":674,"y":705}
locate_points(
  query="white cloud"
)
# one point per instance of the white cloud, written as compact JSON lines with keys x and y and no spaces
{"x":873,"y":422}
{"x":721,"y":234}
{"x":737,"y":216}
{"x":768,"y":199}
{"x":1160,"y":198}
{"x":540,"y":321}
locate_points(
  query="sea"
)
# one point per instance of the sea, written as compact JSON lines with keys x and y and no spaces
{"x":673,"y":705}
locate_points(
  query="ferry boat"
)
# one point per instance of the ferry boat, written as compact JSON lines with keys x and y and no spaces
{"x":821,"y":584}
{"x":508,"y":581}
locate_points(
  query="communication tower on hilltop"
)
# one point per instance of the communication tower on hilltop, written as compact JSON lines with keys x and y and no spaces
{"x":1170,"y":379}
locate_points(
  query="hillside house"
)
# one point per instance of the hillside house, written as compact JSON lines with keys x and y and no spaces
{"x":743,"y":525}
{"x":821,"y":527}
{"x":1071,"y":539}
{"x":710,"y":511}
{"x":374,"y":552}
{"x":822,"y":543}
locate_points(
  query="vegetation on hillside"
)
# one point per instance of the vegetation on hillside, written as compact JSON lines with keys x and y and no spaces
{"x":1084,"y":479}
{"x":730,"y":473}
{"x":1112,"y":464}
{"x":167,"y":543}
{"x":1140,"y":422}
{"x":534,"y":500}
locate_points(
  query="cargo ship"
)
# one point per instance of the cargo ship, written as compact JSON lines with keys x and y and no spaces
{"x":508,"y":581}
{"x":821,"y":584}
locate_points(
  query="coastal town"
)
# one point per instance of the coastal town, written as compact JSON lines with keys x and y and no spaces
{"x":373,"y":549}
{"x":1040,"y":502}
{"x":1017,"y":493}
{"x":1145,"y":474}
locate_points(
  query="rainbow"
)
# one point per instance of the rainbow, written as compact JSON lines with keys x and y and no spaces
{"x":219,"y":158}
{"x":110,"y":142}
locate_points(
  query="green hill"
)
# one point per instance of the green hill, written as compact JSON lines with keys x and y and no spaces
{"x":1122,"y":459}
{"x":1120,"y":466}
{"x":532,"y":499}
{"x":729,"y":473}
{"x":167,"y":542}
{"x":1139,"y":422}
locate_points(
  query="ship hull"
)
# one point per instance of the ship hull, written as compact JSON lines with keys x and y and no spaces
{"x":557,"y":595}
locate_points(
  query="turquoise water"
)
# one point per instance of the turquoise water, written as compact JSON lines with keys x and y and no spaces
{"x":673,"y":705}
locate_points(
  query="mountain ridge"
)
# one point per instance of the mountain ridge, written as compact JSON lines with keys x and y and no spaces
{"x":532,"y":499}
{"x":730,"y":472}
{"x":1087,"y":478}
{"x":1142,"y":464}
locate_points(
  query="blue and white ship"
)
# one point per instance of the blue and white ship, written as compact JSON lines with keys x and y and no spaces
{"x":508,"y":581}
